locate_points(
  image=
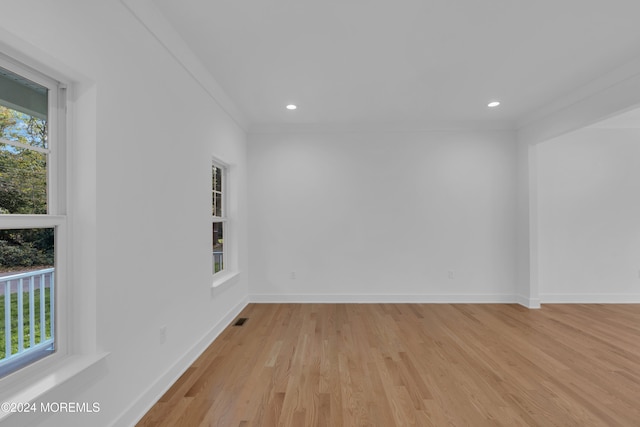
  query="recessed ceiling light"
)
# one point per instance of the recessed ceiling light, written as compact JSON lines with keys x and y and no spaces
{"x":493,"y":104}
{"x":291,"y":107}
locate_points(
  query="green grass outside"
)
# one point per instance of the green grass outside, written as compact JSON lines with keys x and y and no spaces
{"x":27,"y":320}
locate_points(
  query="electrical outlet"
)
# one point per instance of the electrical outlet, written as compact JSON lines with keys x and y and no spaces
{"x":292,"y":276}
{"x":163,"y":334}
{"x":451,"y":275}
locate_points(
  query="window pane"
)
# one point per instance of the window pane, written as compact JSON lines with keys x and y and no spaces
{"x":216,"y":187}
{"x":23,"y":110}
{"x":218,"y":179}
{"x":19,"y":127}
{"x":218,"y":247}
{"x":23,"y":181}
{"x":218,"y":204}
{"x":26,"y":294}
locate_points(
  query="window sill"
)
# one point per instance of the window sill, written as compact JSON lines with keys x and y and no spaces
{"x":59,"y":373}
{"x":225,"y":278}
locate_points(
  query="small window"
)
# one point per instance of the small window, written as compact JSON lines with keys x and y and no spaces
{"x":219,"y":219}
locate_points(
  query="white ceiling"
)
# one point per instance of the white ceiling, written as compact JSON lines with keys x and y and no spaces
{"x":403,"y":62}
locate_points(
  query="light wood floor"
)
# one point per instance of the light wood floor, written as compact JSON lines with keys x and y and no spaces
{"x":414,"y":364}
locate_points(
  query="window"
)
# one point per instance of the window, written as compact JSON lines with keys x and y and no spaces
{"x":32,"y":209}
{"x":219,"y":219}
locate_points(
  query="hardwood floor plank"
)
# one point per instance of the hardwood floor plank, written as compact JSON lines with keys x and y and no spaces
{"x":414,"y":364}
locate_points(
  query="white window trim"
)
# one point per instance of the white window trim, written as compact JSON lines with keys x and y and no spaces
{"x":74,"y":351}
{"x":222,"y":219}
{"x":229,"y":274}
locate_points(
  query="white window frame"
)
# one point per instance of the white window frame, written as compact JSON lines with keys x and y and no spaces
{"x":229,"y":274}
{"x":222,"y":219}
{"x":56,"y":201}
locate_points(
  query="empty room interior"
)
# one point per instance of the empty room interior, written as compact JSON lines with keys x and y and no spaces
{"x":300,"y":213}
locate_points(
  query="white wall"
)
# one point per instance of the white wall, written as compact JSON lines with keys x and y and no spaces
{"x":589,"y":210}
{"x":383,"y":216}
{"x":155,"y":130}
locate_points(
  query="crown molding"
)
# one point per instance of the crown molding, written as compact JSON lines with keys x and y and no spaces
{"x":433,"y":126}
{"x":615,"y":77}
{"x":607,"y":96}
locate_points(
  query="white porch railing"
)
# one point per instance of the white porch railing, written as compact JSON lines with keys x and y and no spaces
{"x":17,"y":287}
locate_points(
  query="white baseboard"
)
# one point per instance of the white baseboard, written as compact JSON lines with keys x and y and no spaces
{"x":141,"y":406}
{"x":528,"y":302}
{"x":385,"y":298}
{"x":590,"y":298}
